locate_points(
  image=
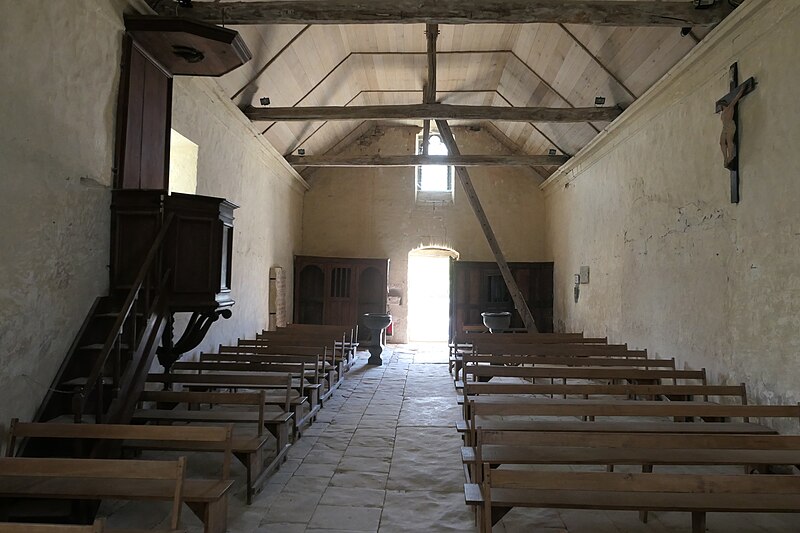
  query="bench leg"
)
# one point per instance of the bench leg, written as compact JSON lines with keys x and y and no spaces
{"x":646,"y":469}
{"x":213,"y":514}
{"x":699,"y":522}
{"x":281,"y":434}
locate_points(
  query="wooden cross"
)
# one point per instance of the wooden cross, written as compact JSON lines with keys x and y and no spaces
{"x":728,"y":106}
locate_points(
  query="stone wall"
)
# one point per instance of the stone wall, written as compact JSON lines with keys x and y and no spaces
{"x":372,"y":212}
{"x":59,"y":96}
{"x":675,"y":267}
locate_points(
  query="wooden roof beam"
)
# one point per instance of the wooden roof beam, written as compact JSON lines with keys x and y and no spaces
{"x":472,"y":197}
{"x":602,"y":13}
{"x":435,"y":112}
{"x":417,"y":160}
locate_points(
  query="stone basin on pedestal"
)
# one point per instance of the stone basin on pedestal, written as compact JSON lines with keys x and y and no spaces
{"x":496,"y":322}
{"x":376,"y":323}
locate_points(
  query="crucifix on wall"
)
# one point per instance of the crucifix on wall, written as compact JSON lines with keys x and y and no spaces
{"x":727,"y":107}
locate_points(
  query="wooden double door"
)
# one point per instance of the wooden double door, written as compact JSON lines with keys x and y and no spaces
{"x":477,"y":287}
{"x":338,"y":290}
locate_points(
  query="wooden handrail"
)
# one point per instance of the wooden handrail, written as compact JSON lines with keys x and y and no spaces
{"x":97,"y":370}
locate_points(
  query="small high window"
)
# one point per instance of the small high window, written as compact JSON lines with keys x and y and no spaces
{"x":434,"y":178}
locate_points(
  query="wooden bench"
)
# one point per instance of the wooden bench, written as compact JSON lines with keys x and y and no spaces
{"x":97,"y":527}
{"x":342,"y":349}
{"x":349,"y":343}
{"x":304,"y":405}
{"x":292,"y":345}
{"x":85,"y":438}
{"x":463,"y":343}
{"x":249,"y":448}
{"x":494,"y":347}
{"x":317,"y":373}
{"x":350,"y":333}
{"x":501,"y":490}
{"x":331,"y":370}
{"x":279,"y":385}
{"x":98,"y":479}
{"x":631,"y":375}
{"x":483,"y":407}
{"x":588,"y":390}
{"x":610,"y":449}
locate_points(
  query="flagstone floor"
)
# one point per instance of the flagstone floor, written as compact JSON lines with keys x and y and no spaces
{"x":383,"y":456}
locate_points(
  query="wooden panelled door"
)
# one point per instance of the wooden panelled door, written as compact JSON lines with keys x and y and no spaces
{"x":478,"y":287}
{"x":338,"y":290}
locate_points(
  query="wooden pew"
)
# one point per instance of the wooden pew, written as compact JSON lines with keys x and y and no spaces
{"x":522,"y":412}
{"x":558,"y":350}
{"x":508,"y":344}
{"x":587,"y":390}
{"x":533,"y":338}
{"x":339,"y":345}
{"x":278,"y":423}
{"x":98,"y":479}
{"x":564,"y":373}
{"x":698,"y":494}
{"x":247,"y":448}
{"x":610,"y":449}
{"x":331,"y":370}
{"x":97,"y":527}
{"x":339,"y":360}
{"x":84,"y":437}
{"x":349,"y":344}
{"x":307,"y":396}
{"x":317,"y":373}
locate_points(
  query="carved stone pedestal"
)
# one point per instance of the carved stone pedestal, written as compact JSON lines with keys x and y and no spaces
{"x":376,"y":323}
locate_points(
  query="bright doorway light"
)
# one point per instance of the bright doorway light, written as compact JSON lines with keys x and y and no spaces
{"x":429,"y":295}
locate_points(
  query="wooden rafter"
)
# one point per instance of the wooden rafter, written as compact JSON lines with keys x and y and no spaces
{"x":435,"y":112}
{"x":271,"y":60}
{"x":597,"y":61}
{"x":417,"y":160}
{"x":472,"y":197}
{"x":429,"y":89}
{"x":597,"y":12}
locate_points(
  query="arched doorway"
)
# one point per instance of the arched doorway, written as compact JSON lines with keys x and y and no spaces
{"x":429,"y":294}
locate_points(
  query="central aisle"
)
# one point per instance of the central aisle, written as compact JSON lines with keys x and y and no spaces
{"x":383,"y":456}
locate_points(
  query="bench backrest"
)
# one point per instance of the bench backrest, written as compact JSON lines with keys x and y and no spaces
{"x":584,"y":373}
{"x":255,"y":380}
{"x":637,"y":440}
{"x":273,"y":349}
{"x":649,"y":482}
{"x":206,"y":367}
{"x":256,"y":399}
{"x":595,"y":389}
{"x":77,"y":469}
{"x":97,"y":527}
{"x":565,"y":349}
{"x":123,"y":432}
{"x":539,"y":338}
{"x":312,"y":360}
{"x":632,"y":408}
{"x":568,"y":361}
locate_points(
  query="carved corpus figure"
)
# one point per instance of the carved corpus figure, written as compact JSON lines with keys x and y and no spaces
{"x":727,"y":140}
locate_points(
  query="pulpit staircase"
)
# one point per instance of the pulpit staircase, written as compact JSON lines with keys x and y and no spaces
{"x":106,"y":366}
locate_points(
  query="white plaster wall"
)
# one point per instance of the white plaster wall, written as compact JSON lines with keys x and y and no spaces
{"x":58,"y":94}
{"x":236,"y":163}
{"x":58,"y":98}
{"x":372,"y":212}
{"x":675,"y":267}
